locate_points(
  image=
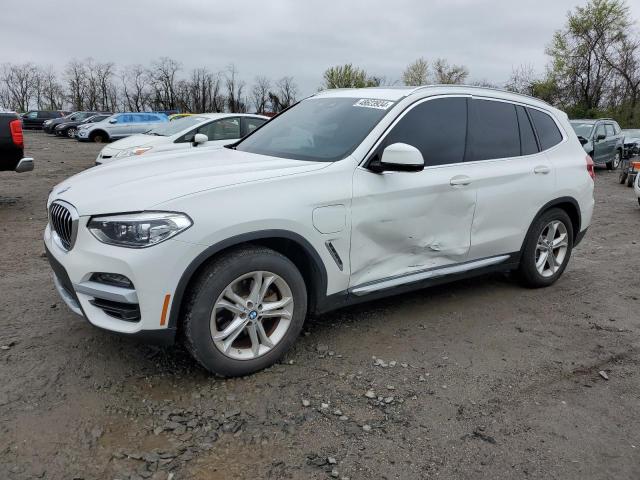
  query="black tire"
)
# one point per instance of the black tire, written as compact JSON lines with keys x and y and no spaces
{"x":528,"y":272}
{"x":210,"y":284}
{"x":98,"y":137}
{"x":615,"y":163}
{"x":629,"y":181}
{"x":622,"y":177}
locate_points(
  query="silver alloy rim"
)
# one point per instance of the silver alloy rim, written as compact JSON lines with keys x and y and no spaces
{"x":551,"y":249}
{"x":252,"y":315}
{"x":616,"y":161}
{"x":71,"y":132}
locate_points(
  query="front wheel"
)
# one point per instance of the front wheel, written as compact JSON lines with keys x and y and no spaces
{"x":547,"y":249}
{"x":71,"y":132}
{"x":245,"y":310}
{"x":615,"y":162}
{"x":629,"y":181}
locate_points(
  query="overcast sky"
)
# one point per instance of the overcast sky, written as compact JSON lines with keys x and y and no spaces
{"x":300,"y":38}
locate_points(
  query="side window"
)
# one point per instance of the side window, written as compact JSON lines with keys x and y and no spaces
{"x":600,"y":130}
{"x":125,"y":119}
{"x":225,"y":129}
{"x":616,"y":127}
{"x":493,"y":131}
{"x":437,"y":128}
{"x":528,"y":144}
{"x":610,"y":130}
{"x":250,"y":124}
{"x":546,"y":128}
{"x":31,"y":115}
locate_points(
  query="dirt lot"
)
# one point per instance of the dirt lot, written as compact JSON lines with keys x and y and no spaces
{"x":479,"y":379}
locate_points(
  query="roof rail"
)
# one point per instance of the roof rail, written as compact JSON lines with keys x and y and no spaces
{"x":502,"y":90}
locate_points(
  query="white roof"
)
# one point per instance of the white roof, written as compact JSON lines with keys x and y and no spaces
{"x":397,"y":93}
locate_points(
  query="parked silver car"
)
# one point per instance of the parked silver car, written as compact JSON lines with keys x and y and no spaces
{"x":120,"y":125}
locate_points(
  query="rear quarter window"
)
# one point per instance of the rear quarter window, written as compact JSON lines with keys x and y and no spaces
{"x":546,"y":128}
{"x":493,"y":130}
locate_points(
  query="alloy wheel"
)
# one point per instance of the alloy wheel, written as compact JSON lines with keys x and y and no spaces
{"x":71,"y":133}
{"x":551,"y":249}
{"x":252,"y":315}
{"x":616,"y":160}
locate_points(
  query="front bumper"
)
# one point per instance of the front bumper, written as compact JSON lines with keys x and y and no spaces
{"x":82,"y":135}
{"x":142,"y":311}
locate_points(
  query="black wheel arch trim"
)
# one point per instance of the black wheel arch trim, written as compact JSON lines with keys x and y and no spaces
{"x":319,"y":272}
{"x":553,"y":203}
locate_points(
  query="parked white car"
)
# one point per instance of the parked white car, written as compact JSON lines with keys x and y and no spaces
{"x":636,"y":187}
{"x":207,"y":130}
{"x":350,"y":195}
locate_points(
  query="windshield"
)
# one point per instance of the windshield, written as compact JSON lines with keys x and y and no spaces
{"x":176,"y":126}
{"x":317,"y":129}
{"x":582,"y":129}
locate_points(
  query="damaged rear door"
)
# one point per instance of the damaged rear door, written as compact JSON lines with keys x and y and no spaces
{"x":406,"y":222}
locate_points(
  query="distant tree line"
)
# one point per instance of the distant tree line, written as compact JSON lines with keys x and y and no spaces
{"x":163,"y":85}
{"x":593,"y":71}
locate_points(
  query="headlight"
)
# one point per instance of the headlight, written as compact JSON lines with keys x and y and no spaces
{"x":138,"y":230}
{"x":47,"y":122}
{"x":129,"y":152}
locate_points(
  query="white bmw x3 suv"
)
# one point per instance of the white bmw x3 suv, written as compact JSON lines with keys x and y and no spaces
{"x":347,"y":196}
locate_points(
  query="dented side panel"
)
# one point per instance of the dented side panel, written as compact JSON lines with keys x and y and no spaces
{"x":404,"y":222}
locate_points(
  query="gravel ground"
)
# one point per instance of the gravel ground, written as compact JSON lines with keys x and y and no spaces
{"x":478,"y":379}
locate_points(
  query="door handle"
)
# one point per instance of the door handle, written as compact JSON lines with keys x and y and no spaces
{"x":541,"y":169}
{"x":459,"y":181}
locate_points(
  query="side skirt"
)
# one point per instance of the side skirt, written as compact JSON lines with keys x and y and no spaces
{"x":417,"y":281}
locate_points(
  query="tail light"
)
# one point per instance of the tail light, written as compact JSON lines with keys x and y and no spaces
{"x":16,"y":133}
{"x":590,"y":168}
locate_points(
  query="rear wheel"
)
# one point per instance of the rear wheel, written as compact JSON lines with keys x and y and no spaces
{"x":547,"y":249}
{"x":71,"y":132}
{"x":615,"y":162}
{"x":622,"y":177}
{"x":245,"y":310}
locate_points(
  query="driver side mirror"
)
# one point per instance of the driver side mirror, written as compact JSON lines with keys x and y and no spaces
{"x":398,"y":157}
{"x":600,"y":136}
{"x":582,"y":140}
{"x":199,"y":139}
{"x":113,"y":120}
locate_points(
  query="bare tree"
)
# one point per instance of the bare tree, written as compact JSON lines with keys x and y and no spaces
{"x":135,"y":90}
{"x":260,"y":94}
{"x":235,"y":87}
{"x":287,"y":92}
{"x":446,"y":74}
{"x":416,"y":73}
{"x":20,"y":81}
{"x":163,"y":77}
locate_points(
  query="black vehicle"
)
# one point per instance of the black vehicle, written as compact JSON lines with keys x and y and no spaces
{"x":36,"y":118}
{"x":12,"y":144}
{"x":68,"y":129}
{"x":49,"y":125}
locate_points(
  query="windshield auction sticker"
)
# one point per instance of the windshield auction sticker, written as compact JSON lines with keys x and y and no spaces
{"x":373,"y":103}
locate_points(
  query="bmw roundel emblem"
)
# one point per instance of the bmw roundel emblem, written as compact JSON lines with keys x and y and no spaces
{"x":253,"y":314}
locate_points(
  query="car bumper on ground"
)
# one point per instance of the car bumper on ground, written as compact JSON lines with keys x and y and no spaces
{"x":141,"y":311}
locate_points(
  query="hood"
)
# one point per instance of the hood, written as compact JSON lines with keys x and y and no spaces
{"x":138,"y":140}
{"x":139,"y":184}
